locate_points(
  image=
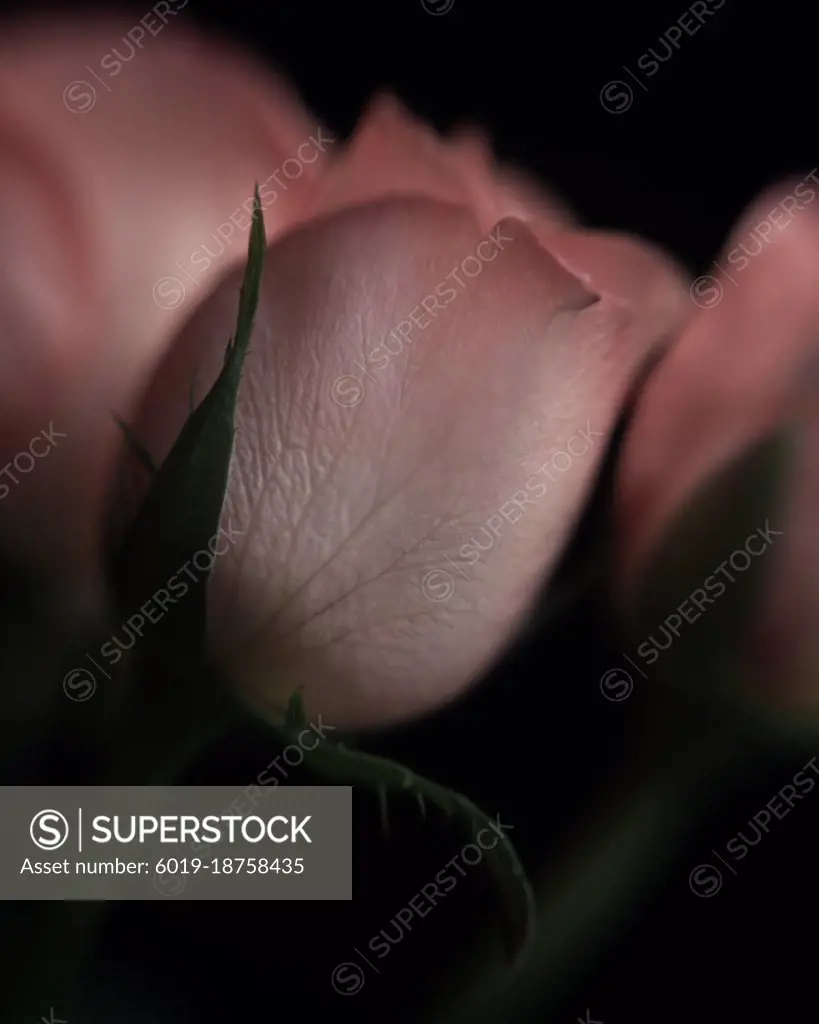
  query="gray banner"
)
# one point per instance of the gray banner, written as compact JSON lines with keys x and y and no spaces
{"x":181,"y":842}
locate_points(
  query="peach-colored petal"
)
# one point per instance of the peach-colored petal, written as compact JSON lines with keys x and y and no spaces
{"x":611,"y":264}
{"x":45,"y":293}
{"x":394,"y":154}
{"x":401,"y":492}
{"x":498,"y":191}
{"x":627,"y":269}
{"x":390,"y":154}
{"x":154,"y":148}
{"x":731,"y":375}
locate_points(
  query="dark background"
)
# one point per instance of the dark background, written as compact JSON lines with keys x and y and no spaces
{"x":730,"y":113}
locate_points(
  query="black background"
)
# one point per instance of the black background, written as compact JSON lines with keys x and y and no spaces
{"x":730,"y":113}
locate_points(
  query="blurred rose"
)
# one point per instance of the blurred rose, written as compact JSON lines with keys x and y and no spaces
{"x":438,"y":361}
{"x":128,"y":154}
{"x":744,"y":367}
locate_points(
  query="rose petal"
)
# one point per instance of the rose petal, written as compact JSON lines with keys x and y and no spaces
{"x":730,"y":376}
{"x":365,"y":476}
{"x":390,"y":154}
{"x":159,"y":166}
{"x":498,"y":191}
